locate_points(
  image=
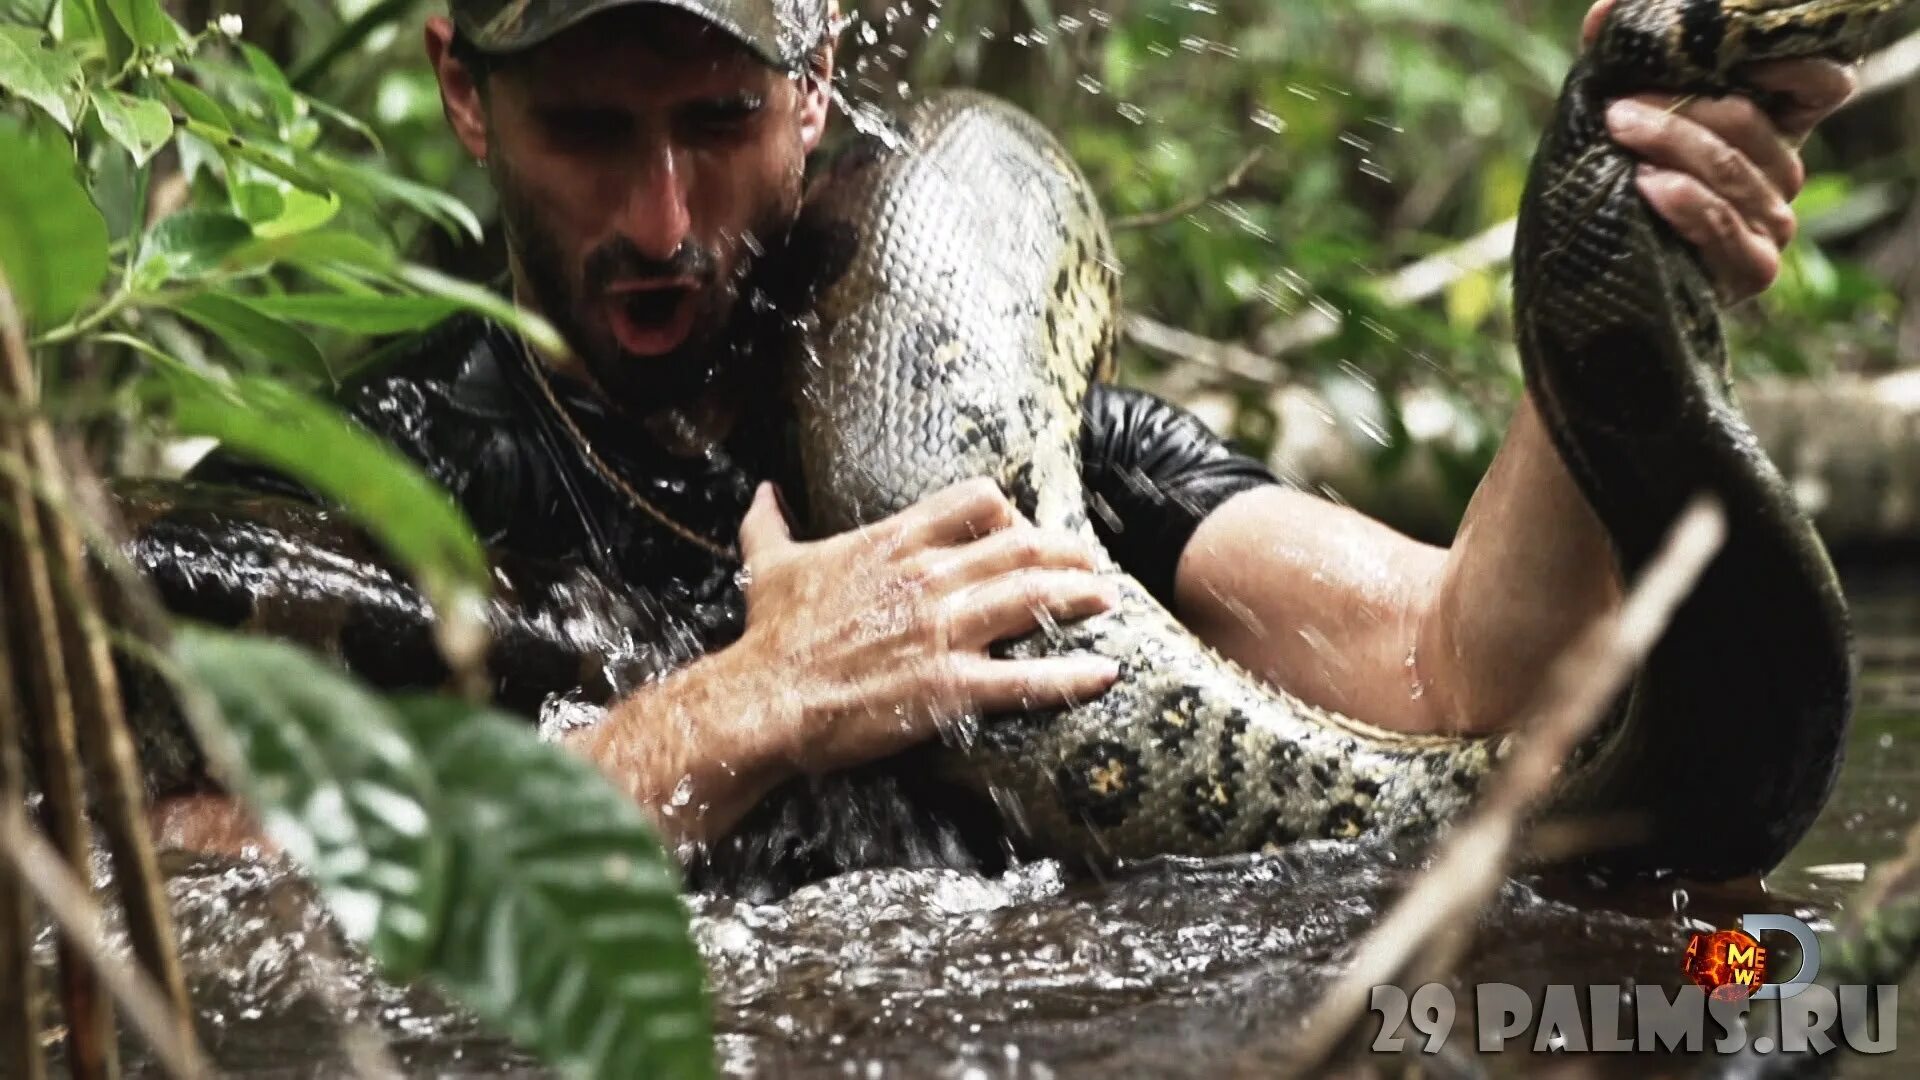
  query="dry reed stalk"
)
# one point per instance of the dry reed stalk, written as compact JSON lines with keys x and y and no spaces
{"x":1473,"y":859}
{"x":19,"y":1017}
{"x":47,"y":703}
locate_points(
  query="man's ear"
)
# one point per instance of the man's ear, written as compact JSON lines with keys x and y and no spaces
{"x":816,"y":97}
{"x":460,"y":96}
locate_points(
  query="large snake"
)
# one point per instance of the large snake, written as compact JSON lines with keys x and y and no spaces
{"x":965,"y":296}
{"x":974,"y":299}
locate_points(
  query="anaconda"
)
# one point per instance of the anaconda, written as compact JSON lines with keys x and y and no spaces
{"x":966,"y":297}
{"x":974,"y":300}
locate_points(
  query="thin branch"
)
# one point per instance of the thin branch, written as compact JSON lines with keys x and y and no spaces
{"x":104,"y":745}
{"x":19,"y":1013}
{"x":32,"y":624}
{"x":72,"y":907}
{"x":1231,"y":184}
{"x":1473,"y":860}
{"x":1222,"y":356}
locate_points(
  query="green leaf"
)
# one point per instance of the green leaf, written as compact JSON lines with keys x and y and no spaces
{"x":566,"y":926}
{"x":256,"y":155}
{"x":142,"y":125}
{"x":188,"y":244}
{"x":485,"y":302}
{"x":287,"y":106}
{"x":330,"y":248}
{"x":375,"y":185}
{"x":53,"y":241}
{"x":255,"y":334}
{"x":47,"y":76}
{"x":463,"y":848}
{"x":337,"y":783}
{"x":197,"y":105}
{"x":360,"y":314}
{"x":304,"y":437}
{"x":300,"y":211}
{"x":79,"y":21}
{"x":147,"y":23}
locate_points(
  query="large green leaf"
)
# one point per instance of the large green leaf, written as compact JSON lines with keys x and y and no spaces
{"x":461,"y":847}
{"x":360,"y":314}
{"x":257,"y":154}
{"x":188,"y":244}
{"x":49,"y":77}
{"x":53,"y":241}
{"x":375,"y":185}
{"x":79,"y":21}
{"x":569,"y":931}
{"x":255,"y":334}
{"x":337,"y":783}
{"x":147,"y":23}
{"x":411,"y":516}
{"x":195,"y":103}
{"x":142,"y":125}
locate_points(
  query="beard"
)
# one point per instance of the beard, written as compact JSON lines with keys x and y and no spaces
{"x":572,"y":301}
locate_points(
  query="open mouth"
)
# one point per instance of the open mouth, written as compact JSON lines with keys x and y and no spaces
{"x":653,"y":319}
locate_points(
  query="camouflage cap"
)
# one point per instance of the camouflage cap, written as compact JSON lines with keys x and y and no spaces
{"x":781,"y":32}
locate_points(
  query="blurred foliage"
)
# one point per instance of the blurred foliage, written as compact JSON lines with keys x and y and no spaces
{"x":197,"y":245}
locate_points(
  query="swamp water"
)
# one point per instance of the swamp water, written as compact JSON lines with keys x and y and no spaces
{"x":1176,"y":968}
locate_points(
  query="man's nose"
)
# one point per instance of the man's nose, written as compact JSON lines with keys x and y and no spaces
{"x":655,"y":217}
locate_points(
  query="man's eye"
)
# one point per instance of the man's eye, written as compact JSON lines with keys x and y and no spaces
{"x":585,"y":126}
{"x":725,"y":116}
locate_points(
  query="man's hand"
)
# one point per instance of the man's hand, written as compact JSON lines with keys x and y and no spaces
{"x":856,"y":647}
{"x":881,"y":633}
{"x":1720,"y":170}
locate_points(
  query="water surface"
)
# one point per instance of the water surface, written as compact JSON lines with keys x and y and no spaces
{"x":1175,"y":968}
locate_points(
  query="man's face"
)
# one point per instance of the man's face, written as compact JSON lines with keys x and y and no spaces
{"x":642,"y":159}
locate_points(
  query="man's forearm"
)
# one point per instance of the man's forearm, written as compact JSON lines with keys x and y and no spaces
{"x":1529,"y":569}
{"x":697,"y":749}
{"x":1352,"y":616}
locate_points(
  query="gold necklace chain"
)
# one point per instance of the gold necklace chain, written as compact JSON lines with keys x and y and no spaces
{"x":607,"y":473}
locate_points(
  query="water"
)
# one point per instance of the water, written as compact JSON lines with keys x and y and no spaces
{"x":1175,"y":968}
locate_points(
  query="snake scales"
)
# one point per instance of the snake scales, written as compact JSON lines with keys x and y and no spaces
{"x":966,"y":296}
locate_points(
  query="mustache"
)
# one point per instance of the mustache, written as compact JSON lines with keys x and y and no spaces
{"x":619,"y":259}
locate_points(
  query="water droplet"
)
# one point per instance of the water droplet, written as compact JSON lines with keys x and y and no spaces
{"x":1271,"y":121}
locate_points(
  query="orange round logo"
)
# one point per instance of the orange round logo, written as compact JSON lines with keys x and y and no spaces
{"x":1730,"y":964}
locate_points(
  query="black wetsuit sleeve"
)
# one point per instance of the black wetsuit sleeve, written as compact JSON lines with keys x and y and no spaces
{"x":1153,"y":472}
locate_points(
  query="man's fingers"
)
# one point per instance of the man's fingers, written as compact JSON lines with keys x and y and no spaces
{"x":1047,"y":683}
{"x":1805,"y":92}
{"x":1021,"y":547}
{"x":956,"y":514}
{"x":764,"y":530}
{"x":1727,"y":144}
{"x":1015,"y":604}
{"x":1743,"y":261}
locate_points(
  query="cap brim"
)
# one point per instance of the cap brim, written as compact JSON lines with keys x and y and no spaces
{"x":499,"y":36}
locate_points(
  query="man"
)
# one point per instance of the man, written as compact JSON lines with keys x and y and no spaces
{"x":645,"y":153}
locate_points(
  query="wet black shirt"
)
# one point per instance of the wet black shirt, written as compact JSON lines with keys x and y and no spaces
{"x":463,"y":402}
